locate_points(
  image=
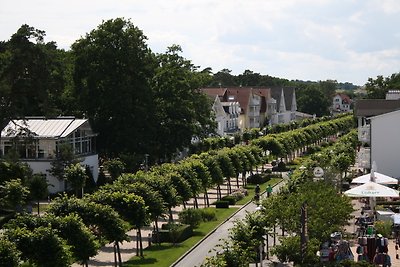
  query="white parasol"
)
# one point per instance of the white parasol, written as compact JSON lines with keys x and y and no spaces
{"x":372,"y":189}
{"x":375,"y":176}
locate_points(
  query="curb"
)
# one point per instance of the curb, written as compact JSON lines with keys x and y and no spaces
{"x":215,"y":229}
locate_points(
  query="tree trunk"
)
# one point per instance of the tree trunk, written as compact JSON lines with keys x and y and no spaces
{"x":237,"y":180}
{"x":141,"y":242}
{"x":171,"y":219}
{"x":206,"y":199}
{"x":115,"y":255}
{"x":229,"y":186}
{"x":218,"y":192}
{"x":158,"y":236}
{"x":196,"y":205}
{"x":137,"y":243}
{"x":119,"y":255}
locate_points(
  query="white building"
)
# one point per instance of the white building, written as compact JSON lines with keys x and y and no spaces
{"x":37,"y":141}
{"x":385,"y":142}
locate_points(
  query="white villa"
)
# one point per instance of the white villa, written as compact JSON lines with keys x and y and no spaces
{"x":37,"y":140}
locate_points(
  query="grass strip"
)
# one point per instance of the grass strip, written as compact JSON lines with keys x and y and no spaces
{"x":166,"y":253}
{"x":251,"y":190}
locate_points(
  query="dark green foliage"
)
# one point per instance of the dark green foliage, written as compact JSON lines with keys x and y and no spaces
{"x":231,"y":199}
{"x":257,"y":179}
{"x":173,"y":233}
{"x":221,"y":204}
{"x":90,"y":184}
{"x":49,"y":248}
{"x":115,"y":167}
{"x":208,"y":214}
{"x":191,"y":217}
{"x":9,"y":254}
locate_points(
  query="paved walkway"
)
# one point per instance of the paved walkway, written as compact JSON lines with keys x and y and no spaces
{"x":105,"y":256}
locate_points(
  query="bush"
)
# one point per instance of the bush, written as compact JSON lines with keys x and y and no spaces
{"x":257,"y":179}
{"x":173,"y":233}
{"x":239,"y":193}
{"x":208,"y":214}
{"x":231,"y":199}
{"x":191,"y":217}
{"x":384,"y":228}
{"x":221,"y":204}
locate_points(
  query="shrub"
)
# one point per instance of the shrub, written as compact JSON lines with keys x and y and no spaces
{"x":191,"y":217}
{"x":239,"y":193}
{"x":221,"y":204}
{"x":208,"y":214}
{"x":384,"y":228}
{"x":231,"y":199}
{"x":173,"y":233}
{"x":257,"y":179}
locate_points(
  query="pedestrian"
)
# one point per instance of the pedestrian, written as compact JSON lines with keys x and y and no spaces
{"x":269,"y":190}
{"x":257,"y":193}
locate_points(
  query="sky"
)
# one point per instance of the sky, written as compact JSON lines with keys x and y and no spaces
{"x":316,"y":40}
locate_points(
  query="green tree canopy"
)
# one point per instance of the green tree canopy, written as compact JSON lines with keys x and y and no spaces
{"x":312,"y":100}
{"x":113,"y":67}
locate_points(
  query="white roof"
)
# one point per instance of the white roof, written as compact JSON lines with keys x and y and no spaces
{"x":41,"y":127}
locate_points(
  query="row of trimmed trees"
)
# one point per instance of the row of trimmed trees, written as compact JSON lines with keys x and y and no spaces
{"x":136,"y":200}
{"x":327,"y":211}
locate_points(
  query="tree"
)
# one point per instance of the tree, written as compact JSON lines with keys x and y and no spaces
{"x":31,"y":75}
{"x":153,"y":200}
{"x":38,"y":188}
{"x":14,"y":194}
{"x":76,"y":175}
{"x":131,"y":207}
{"x":377,"y":88}
{"x":312,"y":100}
{"x":81,"y":240}
{"x":223,"y":78}
{"x":64,"y":157}
{"x":115,"y":168}
{"x":9,"y":254}
{"x":327,"y":211}
{"x":103,"y":220}
{"x":182,"y":111}
{"x":113,"y":67}
{"x":50,"y":249}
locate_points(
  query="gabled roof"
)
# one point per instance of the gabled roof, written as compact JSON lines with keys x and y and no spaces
{"x":373,"y":107}
{"x":241,"y":95}
{"x":288,"y":94}
{"x":214,"y":91}
{"x":41,"y":127}
{"x":266,"y":94}
{"x":345,"y":98}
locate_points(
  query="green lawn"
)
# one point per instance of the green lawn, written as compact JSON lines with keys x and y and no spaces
{"x":166,"y":254}
{"x":250,"y":189}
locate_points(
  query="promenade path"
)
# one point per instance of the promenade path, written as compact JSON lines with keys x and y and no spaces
{"x":105,"y":256}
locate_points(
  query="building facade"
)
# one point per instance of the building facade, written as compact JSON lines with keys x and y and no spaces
{"x":37,"y":141}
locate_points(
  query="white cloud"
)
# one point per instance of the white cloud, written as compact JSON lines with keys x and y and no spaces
{"x":296,"y":39}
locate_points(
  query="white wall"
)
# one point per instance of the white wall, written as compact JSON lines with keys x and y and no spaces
{"x":385,"y":143}
{"x":42,"y":166}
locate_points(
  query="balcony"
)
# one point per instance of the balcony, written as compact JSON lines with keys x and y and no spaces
{"x":364,"y":134}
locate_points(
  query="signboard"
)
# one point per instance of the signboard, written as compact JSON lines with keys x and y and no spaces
{"x":318,"y":172}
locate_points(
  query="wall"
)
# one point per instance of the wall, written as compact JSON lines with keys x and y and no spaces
{"x":385,"y":143}
{"x":42,"y":166}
